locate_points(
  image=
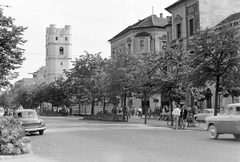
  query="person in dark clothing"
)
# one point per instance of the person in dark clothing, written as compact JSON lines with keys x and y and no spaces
{"x":183,"y":116}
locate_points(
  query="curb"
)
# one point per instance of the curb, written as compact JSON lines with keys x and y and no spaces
{"x":2,"y":157}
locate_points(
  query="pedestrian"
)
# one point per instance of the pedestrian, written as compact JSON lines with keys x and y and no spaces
{"x":176,"y":113}
{"x":183,"y":116}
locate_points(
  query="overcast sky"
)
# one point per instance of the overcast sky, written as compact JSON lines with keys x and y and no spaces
{"x":93,"y":23}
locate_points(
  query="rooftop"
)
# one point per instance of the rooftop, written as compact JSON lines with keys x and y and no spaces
{"x":233,"y":17}
{"x":150,"y":21}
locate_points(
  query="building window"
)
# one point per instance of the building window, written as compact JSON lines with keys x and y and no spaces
{"x":129,"y":48}
{"x":178,"y":30}
{"x":61,"y":63}
{"x":141,"y":45}
{"x":191,"y":27}
{"x":61,"y":51}
{"x":66,"y":38}
{"x":165,"y":68}
{"x":56,"y":38}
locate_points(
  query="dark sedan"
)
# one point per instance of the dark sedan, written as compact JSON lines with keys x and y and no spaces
{"x":30,"y":121}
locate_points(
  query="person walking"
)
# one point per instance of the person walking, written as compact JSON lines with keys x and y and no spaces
{"x":176,"y":113}
{"x":183,"y":116}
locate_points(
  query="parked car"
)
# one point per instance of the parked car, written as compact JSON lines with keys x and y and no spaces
{"x":1,"y":112}
{"x":228,"y":122}
{"x":30,"y":121}
{"x":204,"y":114}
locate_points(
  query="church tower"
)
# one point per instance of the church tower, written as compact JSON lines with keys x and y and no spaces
{"x":58,"y":52}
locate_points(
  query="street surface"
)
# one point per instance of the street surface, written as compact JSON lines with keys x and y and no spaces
{"x":71,"y":139}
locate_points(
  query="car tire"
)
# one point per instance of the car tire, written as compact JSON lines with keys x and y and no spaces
{"x":41,"y":132}
{"x":237,"y":136}
{"x":212,"y":131}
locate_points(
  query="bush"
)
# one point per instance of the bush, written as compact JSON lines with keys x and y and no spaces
{"x":12,"y":137}
{"x":105,"y":117}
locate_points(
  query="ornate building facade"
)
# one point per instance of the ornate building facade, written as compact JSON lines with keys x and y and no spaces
{"x":191,"y":16}
{"x":146,"y":35}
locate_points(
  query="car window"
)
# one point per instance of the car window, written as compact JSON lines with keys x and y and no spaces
{"x":237,"y":110}
{"x":27,"y":115}
{"x":230,"y":110}
{"x":206,"y":111}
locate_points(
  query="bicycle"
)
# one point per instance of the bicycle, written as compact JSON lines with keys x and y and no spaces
{"x":191,"y":122}
{"x":180,"y":123}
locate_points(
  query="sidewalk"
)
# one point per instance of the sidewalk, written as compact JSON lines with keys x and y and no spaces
{"x":161,"y":123}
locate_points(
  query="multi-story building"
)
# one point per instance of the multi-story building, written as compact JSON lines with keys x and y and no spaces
{"x":191,"y":16}
{"x":146,"y":35}
{"x":58,"y":51}
{"x":58,"y":57}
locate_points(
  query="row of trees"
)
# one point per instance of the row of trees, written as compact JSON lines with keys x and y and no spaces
{"x":209,"y":58}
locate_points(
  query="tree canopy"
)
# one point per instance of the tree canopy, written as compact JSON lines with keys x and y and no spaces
{"x":215,"y":56}
{"x":11,"y":52}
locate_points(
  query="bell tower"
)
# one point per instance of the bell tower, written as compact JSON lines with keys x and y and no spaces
{"x":58,"y":52}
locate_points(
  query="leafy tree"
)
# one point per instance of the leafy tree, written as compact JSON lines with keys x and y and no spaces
{"x":11,"y":54}
{"x":215,"y":56}
{"x":231,"y":84}
{"x":171,"y":73}
{"x":143,"y":78}
{"x":85,"y":78}
{"x":5,"y":100}
{"x":119,"y":78}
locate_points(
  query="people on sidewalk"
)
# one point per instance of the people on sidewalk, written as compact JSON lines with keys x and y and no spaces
{"x":183,"y":116}
{"x":176,"y":114}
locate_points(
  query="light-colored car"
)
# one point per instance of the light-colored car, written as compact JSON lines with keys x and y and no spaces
{"x":30,"y":121}
{"x":228,"y":122}
{"x":204,"y":114}
{"x":1,"y":112}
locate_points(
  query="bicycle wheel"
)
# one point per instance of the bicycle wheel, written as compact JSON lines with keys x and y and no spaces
{"x":180,"y":124}
{"x":169,"y":122}
{"x":196,"y":123}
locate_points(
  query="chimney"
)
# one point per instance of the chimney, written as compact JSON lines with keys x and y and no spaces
{"x":169,"y":19}
{"x":161,"y":15}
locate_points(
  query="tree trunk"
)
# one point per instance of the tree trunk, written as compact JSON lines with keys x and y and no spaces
{"x":79,"y":108}
{"x":124,"y":106}
{"x":93,"y":104}
{"x":171,"y":109}
{"x":216,"y":95}
{"x":232,"y":98}
{"x":145,"y":107}
{"x":104,"y":104}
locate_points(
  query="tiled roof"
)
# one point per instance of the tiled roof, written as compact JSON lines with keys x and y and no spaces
{"x":173,"y":5}
{"x":230,"y":18}
{"x":150,"y":21}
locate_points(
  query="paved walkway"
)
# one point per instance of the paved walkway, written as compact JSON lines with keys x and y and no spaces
{"x":133,"y":120}
{"x":161,"y":123}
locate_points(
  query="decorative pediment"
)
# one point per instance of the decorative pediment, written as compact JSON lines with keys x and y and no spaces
{"x":177,"y":18}
{"x":142,"y":34}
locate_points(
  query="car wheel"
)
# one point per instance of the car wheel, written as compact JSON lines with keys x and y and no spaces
{"x":212,"y":130}
{"x":237,"y":136}
{"x":41,"y":132}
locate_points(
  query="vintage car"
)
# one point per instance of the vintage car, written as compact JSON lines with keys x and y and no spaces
{"x":30,"y":121}
{"x":227,"y":122}
{"x":1,"y":112}
{"x":204,"y":114}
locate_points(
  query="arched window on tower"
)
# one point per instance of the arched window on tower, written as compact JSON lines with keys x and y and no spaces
{"x":61,"y":51}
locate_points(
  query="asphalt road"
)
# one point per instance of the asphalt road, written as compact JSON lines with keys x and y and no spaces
{"x":69,"y":139}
